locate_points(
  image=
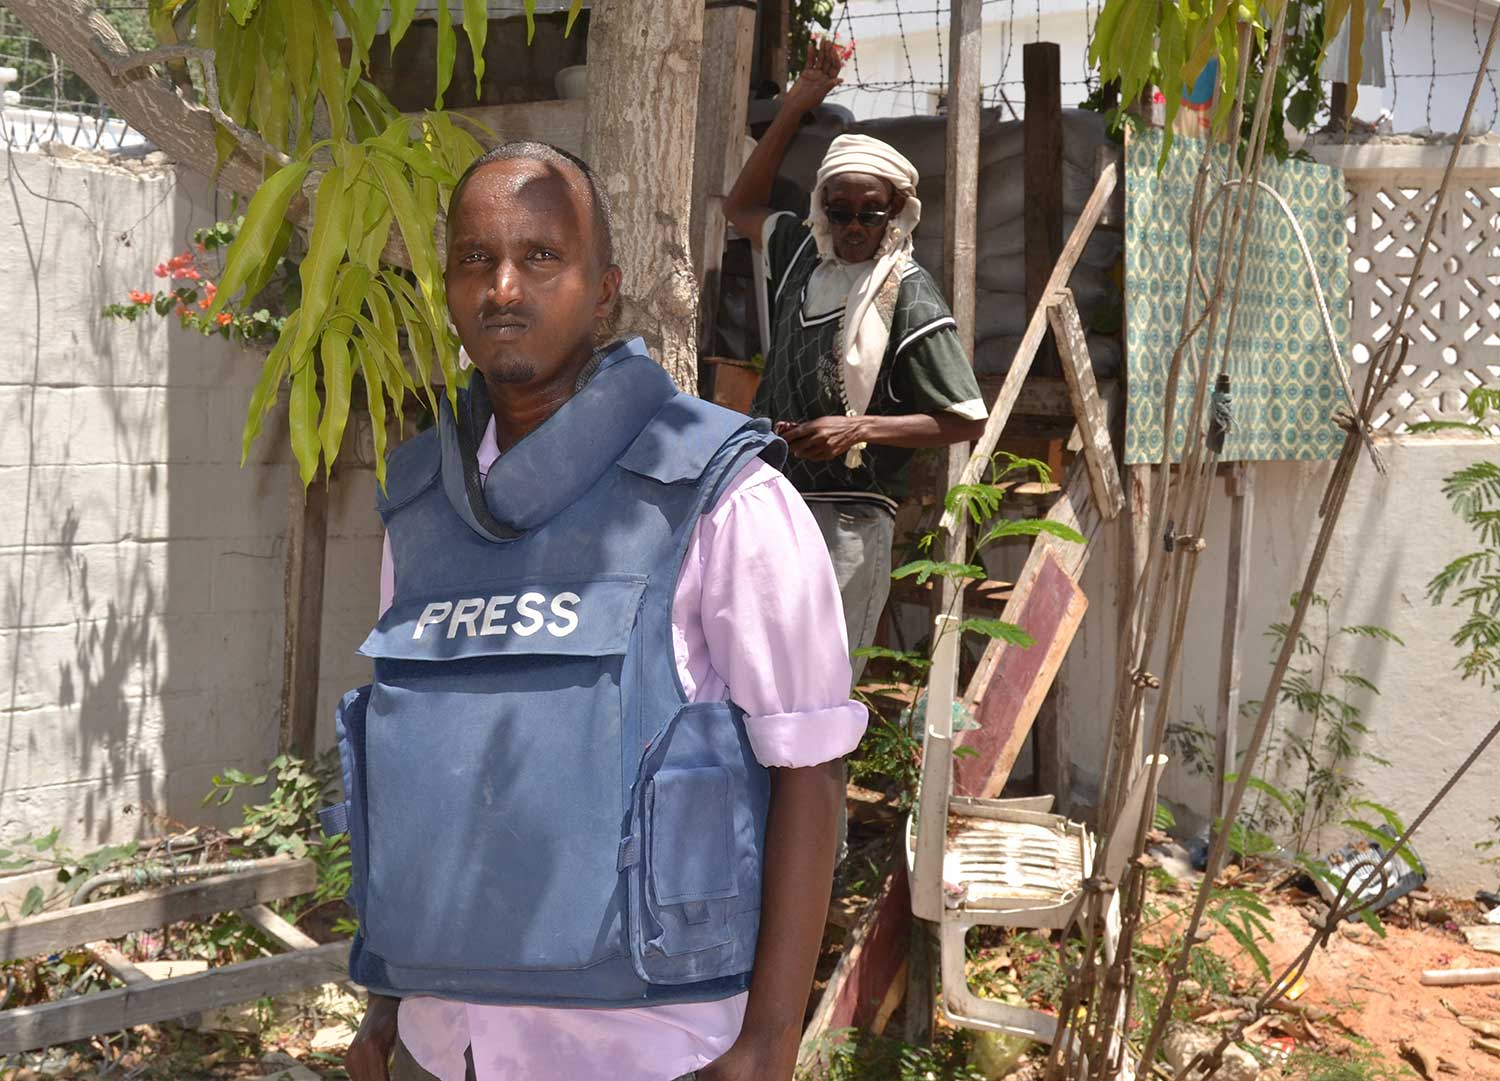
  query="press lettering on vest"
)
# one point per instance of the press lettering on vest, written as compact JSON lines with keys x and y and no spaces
{"x":435,"y":612}
{"x":567,"y":617}
{"x":527,"y":608}
{"x":466,"y":614}
{"x":494,"y":614}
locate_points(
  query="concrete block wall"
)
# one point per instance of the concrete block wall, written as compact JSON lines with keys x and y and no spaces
{"x":1395,"y":533}
{"x":141,"y":568}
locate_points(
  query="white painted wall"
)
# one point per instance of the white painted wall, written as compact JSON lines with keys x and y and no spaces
{"x":1439,"y":37}
{"x":141,"y":568}
{"x":1395,"y":533}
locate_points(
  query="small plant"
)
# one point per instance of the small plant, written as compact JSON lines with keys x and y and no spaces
{"x":188,"y":293}
{"x":287,"y":822}
{"x":890,"y":754}
{"x":1305,"y":780}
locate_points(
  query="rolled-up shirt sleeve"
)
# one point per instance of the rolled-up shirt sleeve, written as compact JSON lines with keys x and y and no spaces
{"x":769,"y":625}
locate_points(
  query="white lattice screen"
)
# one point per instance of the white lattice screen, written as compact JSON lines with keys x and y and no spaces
{"x":1455,"y":325}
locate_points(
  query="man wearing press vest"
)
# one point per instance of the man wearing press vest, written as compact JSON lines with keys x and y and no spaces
{"x":592,"y":788}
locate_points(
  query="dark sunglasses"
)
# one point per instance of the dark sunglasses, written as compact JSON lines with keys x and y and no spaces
{"x":871,"y":218}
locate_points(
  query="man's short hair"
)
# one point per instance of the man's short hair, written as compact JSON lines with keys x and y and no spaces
{"x":530,"y":150}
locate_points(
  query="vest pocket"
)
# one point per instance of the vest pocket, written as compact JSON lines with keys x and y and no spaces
{"x":690,"y":871}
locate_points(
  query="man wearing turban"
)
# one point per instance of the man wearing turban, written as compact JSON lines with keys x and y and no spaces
{"x":864,"y":364}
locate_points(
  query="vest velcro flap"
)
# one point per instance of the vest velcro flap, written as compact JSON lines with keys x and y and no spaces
{"x":678,"y":445}
{"x":563,"y":617}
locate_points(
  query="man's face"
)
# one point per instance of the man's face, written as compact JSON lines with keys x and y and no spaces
{"x":525,"y":276}
{"x":847,"y":198}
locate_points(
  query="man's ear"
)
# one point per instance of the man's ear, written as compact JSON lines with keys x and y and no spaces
{"x":609,"y":292}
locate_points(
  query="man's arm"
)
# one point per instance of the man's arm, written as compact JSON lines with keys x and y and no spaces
{"x":798,"y":880}
{"x":747,"y":205}
{"x":826,"y":438}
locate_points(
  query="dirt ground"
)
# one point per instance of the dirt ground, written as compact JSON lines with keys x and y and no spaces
{"x":1373,"y":985}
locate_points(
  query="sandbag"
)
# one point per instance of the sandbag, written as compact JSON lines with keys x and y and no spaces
{"x":999,"y":315}
{"x":1093,"y":287}
{"x":993,"y":356}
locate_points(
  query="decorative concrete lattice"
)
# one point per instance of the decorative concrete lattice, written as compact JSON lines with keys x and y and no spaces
{"x":1454,"y":325}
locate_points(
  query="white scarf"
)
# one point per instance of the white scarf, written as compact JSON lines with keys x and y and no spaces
{"x":866,"y":327}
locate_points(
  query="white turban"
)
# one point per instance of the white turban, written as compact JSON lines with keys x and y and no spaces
{"x":866,"y":327}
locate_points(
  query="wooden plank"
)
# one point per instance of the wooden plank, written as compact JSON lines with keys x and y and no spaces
{"x":718,"y":150}
{"x":117,"y":963}
{"x":1049,"y":606}
{"x":1036,"y":330}
{"x":280,"y":930}
{"x":864,"y":976}
{"x":1237,"y":581}
{"x":561,"y":123}
{"x":302,"y":614}
{"x":1042,"y":178}
{"x":29,"y":1027}
{"x":1485,"y":938}
{"x":774,"y":34}
{"x":52,"y":931}
{"x":1088,"y":407}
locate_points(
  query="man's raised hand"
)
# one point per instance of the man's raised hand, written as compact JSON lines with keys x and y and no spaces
{"x":819,"y":76}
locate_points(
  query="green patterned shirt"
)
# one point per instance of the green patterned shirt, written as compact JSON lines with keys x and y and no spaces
{"x":924,"y":370}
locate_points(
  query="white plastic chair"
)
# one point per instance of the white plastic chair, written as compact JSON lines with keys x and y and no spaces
{"x":1000,"y":862}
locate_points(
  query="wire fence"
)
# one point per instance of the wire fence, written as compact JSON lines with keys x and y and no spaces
{"x":900,"y":56}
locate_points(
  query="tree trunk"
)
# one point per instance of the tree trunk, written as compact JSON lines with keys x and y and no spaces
{"x":644,"y":59}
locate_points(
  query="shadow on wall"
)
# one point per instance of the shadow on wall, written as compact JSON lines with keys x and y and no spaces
{"x":140,"y":567}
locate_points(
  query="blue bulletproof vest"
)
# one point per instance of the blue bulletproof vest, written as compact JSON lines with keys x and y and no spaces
{"x":537,"y":815}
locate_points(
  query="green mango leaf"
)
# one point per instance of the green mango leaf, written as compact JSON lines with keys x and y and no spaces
{"x":241,"y":10}
{"x":416,"y":234}
{"x":476,"y":26}
{"x":530,"y":6}
{"x":326,"y":246}
{"x":302,"y":419}
{"x":47,"y":841}
{"x":272,"y":372}
{"x":447,"y":51}
{"x":338,"y":378}
{"x":573,"y":12}
{"x":401,"y":16}
{"x":420,"y":162}
{"x":330,"y":71}
{"x":375,"y":402}
{"x":258,"y":237}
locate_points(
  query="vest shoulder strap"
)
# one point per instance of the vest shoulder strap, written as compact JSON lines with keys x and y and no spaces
{"x":687,"y":434}
{"x":409,"y":470}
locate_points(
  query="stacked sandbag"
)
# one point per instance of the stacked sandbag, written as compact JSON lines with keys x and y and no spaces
{"x":1000,"y":303}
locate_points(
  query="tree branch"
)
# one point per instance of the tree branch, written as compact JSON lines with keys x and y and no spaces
{"x":84,"y":40}
{"x":121,"y":66}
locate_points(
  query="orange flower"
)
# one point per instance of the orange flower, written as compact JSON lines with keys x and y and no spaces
{"x":224,"y":319}
{"x":139,"y":297}
{"x":181,"y":311}
{"x":203,"y":305}
{"x":161,"y":270}
{"x":210,"y":289}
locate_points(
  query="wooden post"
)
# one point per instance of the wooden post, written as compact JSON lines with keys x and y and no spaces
{"x":642,"y":122}
{"x":723,"y":98}
{"x":1242,"y":497}
{"x":1052,"y":750}
{"x":1042,"y":176}
{"x":960,"y":234}
{"x":302,"y":614}
{"x":774,"y":36}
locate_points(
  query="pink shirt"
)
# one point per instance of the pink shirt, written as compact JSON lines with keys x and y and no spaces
{"x":756,"y":616}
